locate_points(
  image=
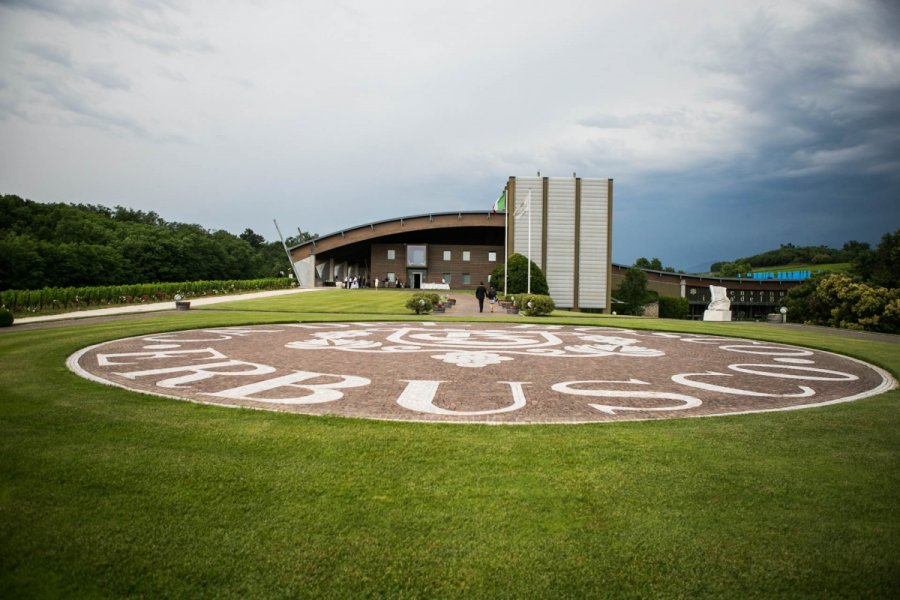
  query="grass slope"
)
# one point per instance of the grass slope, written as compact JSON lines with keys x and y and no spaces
{"x":105,"y":492}
{"x":829,"y":267}
{"x":366,"y":301}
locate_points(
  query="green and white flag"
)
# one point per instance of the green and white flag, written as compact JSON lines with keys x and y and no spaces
{"x":500,"y":203}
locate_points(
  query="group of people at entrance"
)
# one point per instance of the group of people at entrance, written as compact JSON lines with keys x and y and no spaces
{"x":482,"y":292}
{"x":396,"y":283}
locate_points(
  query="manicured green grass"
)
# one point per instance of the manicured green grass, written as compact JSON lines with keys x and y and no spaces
{"x":337,"y":301}
{"x":344,"y":302}
{"x":105,"y":492}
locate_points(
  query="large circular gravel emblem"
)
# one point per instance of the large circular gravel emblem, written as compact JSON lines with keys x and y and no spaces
{"x":478,"y":372}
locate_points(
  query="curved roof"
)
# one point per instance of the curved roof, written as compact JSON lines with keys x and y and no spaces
{"x":395,"y":227}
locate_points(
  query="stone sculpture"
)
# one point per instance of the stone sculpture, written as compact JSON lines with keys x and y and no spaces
{"x":720,"y":307}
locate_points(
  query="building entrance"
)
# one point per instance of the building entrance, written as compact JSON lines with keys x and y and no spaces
{"x":417,"y":278}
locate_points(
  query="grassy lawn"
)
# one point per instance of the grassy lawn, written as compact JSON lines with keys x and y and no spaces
{"x":366,"y":301}
{"x":105,"y":492}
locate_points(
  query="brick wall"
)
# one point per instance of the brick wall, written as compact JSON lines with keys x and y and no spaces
{"x":478,"y":267}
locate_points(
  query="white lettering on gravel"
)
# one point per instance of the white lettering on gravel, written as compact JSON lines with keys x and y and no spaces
{"x":566,"y":388}
{"x":201,"y":372}
{"x":318,"y":393}
{"x":419,"y":396}
{"x":682,"y":378}
{"x":105,"y":360}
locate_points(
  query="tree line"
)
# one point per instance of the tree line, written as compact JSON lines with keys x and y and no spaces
{"x":868,"y":297}
{"x":789,"y":254}
{"x":63,"y":245}
{"x":879,"y":266}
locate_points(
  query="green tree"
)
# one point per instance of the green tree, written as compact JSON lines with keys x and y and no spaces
{"x":21,"y":263}
{"x":733,"y":269}
{"x":804,"y":306}
{"x":839,"y":301}
{"x":254,"y":239}
{"x":239,"y":260}
{"x":53,"y":244}
{"x":853,"y":248}
{"x":881,"y":266}
{"x":673,"y":308}
{"x":855,"y":305}
{"x":80,"y":264}
{"x":633,"y":292}
{"x":303,"y":236}
{"x":654,"y":264}
{"x":273,"y":261}
{"x":517,"y":283}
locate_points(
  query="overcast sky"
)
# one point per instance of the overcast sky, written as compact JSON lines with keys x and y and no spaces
{"x":729,"y":127}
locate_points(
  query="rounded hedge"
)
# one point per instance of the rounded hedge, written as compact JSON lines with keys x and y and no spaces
{"x":535,"y":305}
{"x":6,"y":317}
{"x":673,"y":308}
{"x":422,"y":303}
{"x":518,"y":276}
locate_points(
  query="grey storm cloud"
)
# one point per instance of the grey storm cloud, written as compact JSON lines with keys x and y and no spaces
{"x":823,"y":132}
{"x":662,"y":119}
{"x":86,"y":113}
{"x":729,"y":127}
{"x":81,"y":12}
{"x":832,"y":104}
{"x":50,"y":53}
{"x":148,"y":22}
{"x":106,"y":75}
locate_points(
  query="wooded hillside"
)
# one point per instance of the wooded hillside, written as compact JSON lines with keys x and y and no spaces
{"x":789,"y":254}
{"x":55,"y":244}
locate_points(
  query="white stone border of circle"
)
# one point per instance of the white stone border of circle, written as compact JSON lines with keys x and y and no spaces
{"x":887,"y":384}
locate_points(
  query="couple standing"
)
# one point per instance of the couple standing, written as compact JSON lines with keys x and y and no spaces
{"x":481,"y":292}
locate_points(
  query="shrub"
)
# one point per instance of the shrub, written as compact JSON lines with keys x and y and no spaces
{"x":535,"y":305}
{"x":632,"y":293}
{"x":6,"y":317}
{"x":34,"y":301}
{"x":422,"y":303}
{"x":673,"y":308}
{"x":839,"y":301}
{"x":518,"y":276}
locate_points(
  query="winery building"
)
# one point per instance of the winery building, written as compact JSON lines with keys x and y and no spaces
{"x":563,"y":224}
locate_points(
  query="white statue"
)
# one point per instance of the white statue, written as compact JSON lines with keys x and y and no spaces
{"x":720,"y":307}
{"x":720,"y":299}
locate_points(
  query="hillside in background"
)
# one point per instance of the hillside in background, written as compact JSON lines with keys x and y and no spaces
{"x":59,"y":245}
{"x":789,"y":257}
{"x":789,"y":254}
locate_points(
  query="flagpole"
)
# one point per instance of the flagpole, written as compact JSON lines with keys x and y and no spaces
{"x":529,"y":241}
{"x":505,"y":239}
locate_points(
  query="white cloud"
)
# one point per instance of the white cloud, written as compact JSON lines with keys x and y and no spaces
{"x":329,"y":114}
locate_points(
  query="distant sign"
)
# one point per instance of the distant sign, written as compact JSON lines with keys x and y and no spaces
{"x":780,"y":275}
